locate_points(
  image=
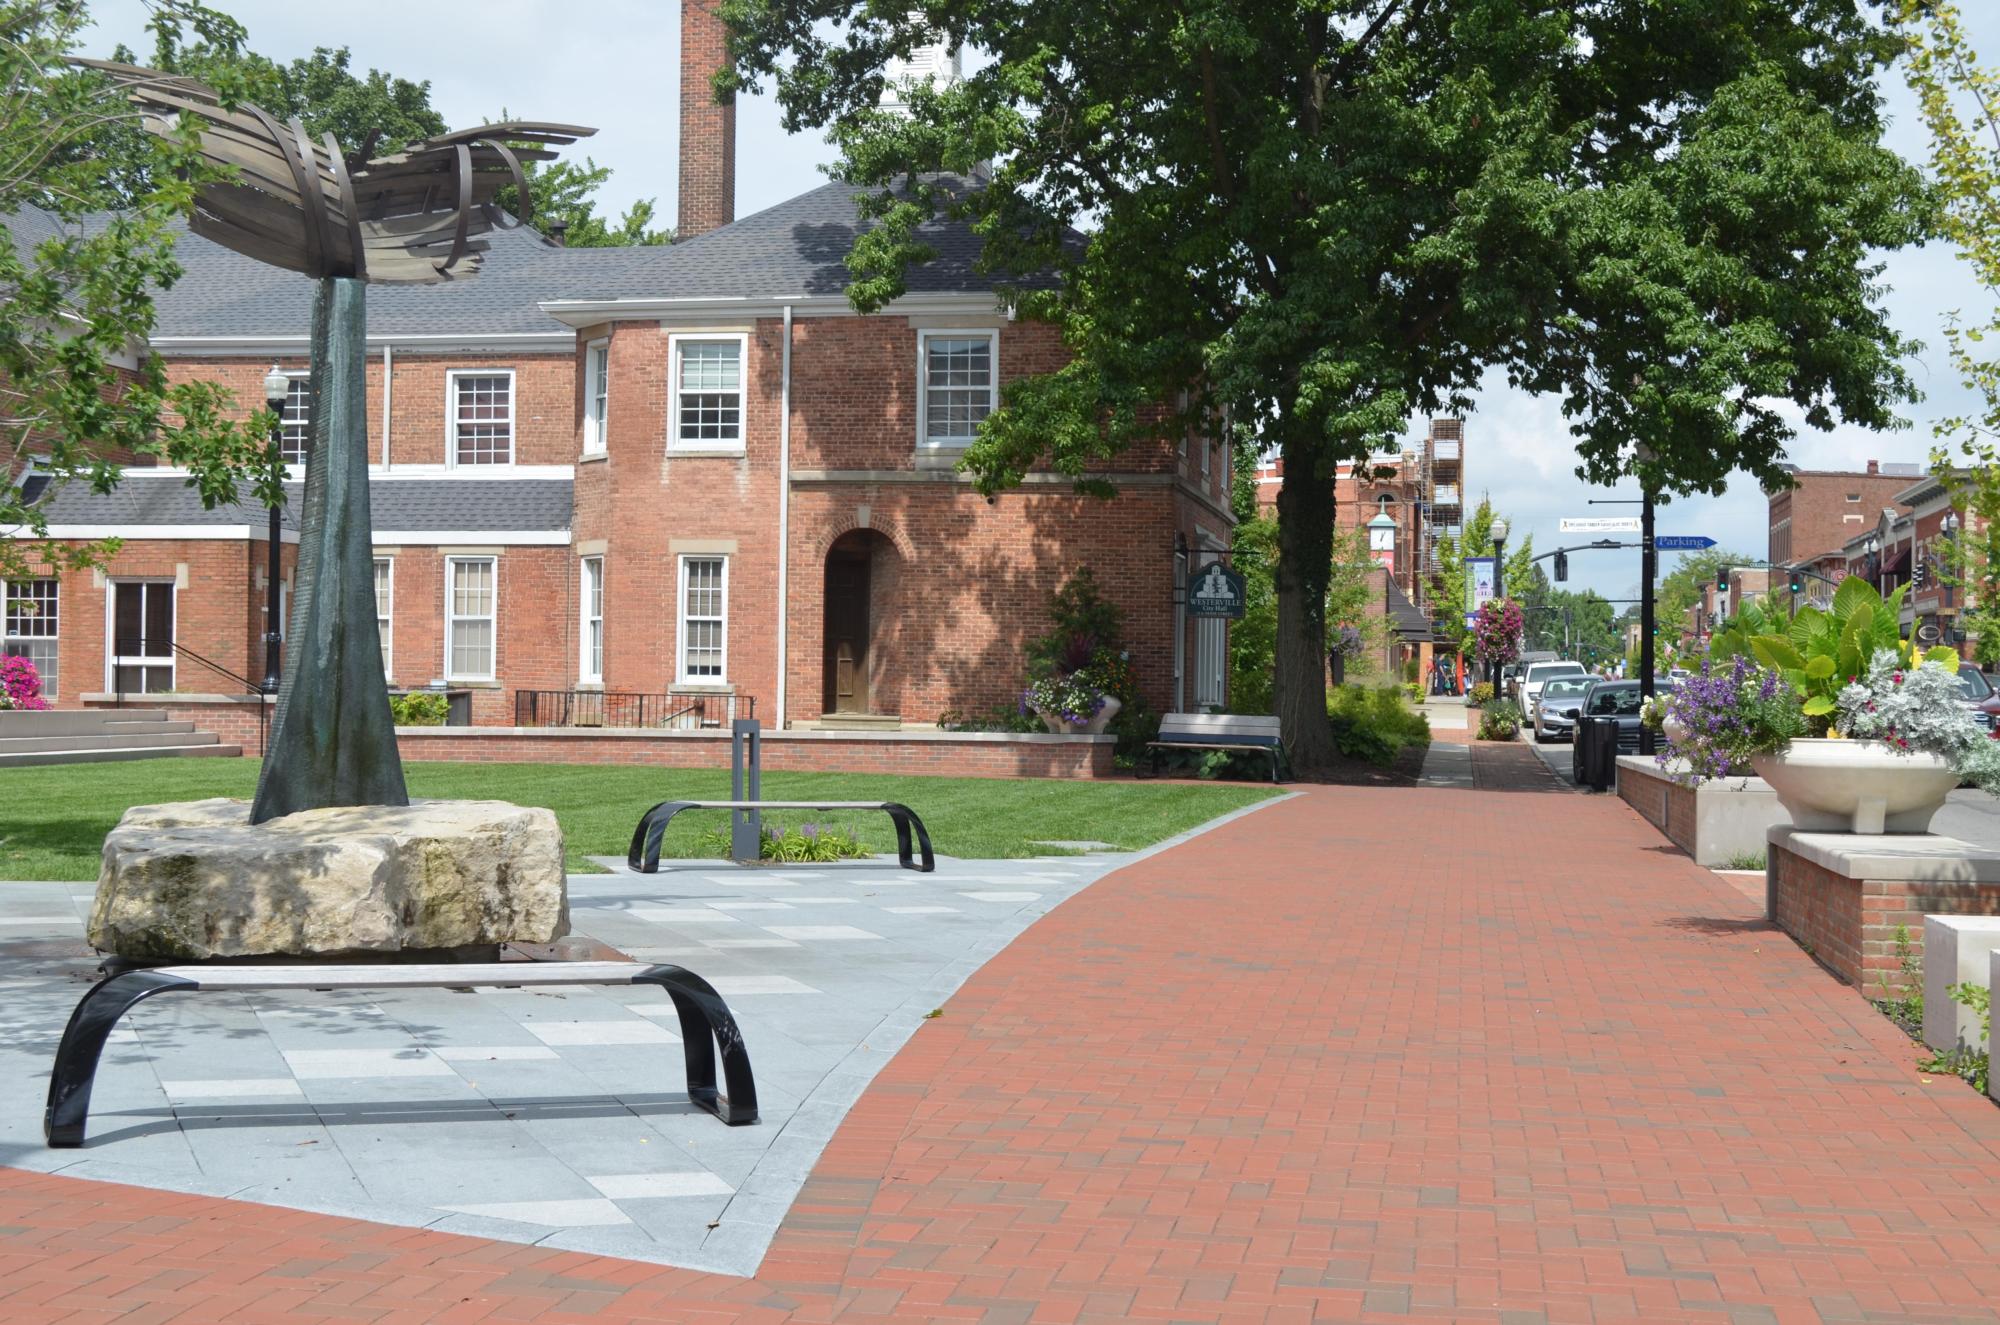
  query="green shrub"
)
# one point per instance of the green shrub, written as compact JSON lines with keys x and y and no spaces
{"x":420,"y":708}
{"x":1480,"y":695}
{"x":1375,"y":724}
{"x":809,"y":843}
{"x":1500,"y":722}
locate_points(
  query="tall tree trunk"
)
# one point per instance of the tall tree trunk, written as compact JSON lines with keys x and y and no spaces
{"x":1305,"y":562}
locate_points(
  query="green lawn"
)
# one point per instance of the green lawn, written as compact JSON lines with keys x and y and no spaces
{"x":53,"y":820}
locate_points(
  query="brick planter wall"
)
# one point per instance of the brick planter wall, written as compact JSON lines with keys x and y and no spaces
{"x":1849,"y":923}
{"x":936,"y":754}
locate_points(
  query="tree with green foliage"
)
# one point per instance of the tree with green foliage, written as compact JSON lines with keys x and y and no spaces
{"x":79,"y":297}
{"x":1329,"y":215}
{"x":1351,"y":614}
{"x":1961,"y":107}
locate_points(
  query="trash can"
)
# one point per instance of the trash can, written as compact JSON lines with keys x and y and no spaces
{"x":1600,"y":751}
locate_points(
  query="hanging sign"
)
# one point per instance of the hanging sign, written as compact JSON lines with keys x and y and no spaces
{"x":1600,"y":524}
{"x":1482,"y":578}
{"x":1217,"y":591}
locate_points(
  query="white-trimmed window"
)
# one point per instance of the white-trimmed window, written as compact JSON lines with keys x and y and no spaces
{"x":704,"y":632}
{"x":470,"y":599}
{"x":706,"y":413}
{"x":385,"y":602}
{"x":295,"y":420}
{"x":958,"y":381}
{"x":596,"y":395}
{"x":141,"y":636}
{"x":34,"y":619}
{"x":481,"y":409}
{"x":590,"y":632}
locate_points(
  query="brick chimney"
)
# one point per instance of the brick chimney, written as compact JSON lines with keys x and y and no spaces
{"x":1874,"y":466}
{"x":708,"y":129}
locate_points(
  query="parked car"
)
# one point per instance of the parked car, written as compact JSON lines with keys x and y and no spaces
{"x":1539,"y":674}
{"x":1976,"y":692}
{"x":1620,"y":699}
{"x":1554,"y":714}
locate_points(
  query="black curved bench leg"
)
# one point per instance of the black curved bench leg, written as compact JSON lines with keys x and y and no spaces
{"x":644,"y":853}
{"x":83,"y":1044}
{"x":907,"y":821}
{"x":706,"y":1023}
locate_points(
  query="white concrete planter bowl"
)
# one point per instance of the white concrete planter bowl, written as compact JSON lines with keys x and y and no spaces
{"x":1834,"y":786}
{"x":1095,"y":727}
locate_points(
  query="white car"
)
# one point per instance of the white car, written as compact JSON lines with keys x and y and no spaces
{"x":1540,"y":674}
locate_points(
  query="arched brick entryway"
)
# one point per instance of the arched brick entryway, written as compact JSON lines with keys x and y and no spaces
{"x":859,"y":672}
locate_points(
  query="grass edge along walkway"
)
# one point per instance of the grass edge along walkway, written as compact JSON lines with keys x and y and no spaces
{"x":54,"y":818}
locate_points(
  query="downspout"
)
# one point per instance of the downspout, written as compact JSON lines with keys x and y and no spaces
{"x":784,"y":514}
{"x":388,"y":386}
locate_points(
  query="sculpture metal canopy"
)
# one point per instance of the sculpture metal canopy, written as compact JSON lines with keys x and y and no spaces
{"x":414,"y":216}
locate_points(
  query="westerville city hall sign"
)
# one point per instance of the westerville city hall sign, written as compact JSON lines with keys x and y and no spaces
{"x":1217,"y":591}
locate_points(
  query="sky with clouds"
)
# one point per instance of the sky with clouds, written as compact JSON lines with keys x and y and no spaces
{"x":612,"y":63}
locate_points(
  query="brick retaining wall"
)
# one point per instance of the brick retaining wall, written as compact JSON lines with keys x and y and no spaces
{"x":1849,"y":924}
{"x":938,"y":754}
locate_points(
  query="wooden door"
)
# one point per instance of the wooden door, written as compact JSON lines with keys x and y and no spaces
{"x":846,"y":689}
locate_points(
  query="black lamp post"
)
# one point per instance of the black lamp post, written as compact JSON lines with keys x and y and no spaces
{"x":1498,"y":531}
{"x":277,"y":389}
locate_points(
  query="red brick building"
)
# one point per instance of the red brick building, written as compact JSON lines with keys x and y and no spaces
{"x":1826,"y":508}
{"x":691,"y":473}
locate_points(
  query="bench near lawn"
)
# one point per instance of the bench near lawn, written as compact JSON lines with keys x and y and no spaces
{"x":53,"y":819}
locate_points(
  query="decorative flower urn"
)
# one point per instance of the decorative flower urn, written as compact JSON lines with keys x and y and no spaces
{"x":1846,"y":786}
{"x":1061,"y":726}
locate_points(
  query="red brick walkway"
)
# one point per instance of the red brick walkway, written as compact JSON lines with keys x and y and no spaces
{"x":1371,"y":1054}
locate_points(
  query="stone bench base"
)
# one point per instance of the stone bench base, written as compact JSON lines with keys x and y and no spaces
{"x":1843,"y":896}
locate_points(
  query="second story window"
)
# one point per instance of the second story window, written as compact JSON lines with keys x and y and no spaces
{"x":707,"y":411}
{"x":482,"y":417}
{"x":958,"y":383}
{"x":295,"y":421}
{"x":596,"y":395}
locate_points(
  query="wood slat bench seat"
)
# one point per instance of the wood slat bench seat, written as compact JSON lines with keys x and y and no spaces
{"x":706,"y":1023}
{"x":644,"y":853}
{"x":1217,"y":731}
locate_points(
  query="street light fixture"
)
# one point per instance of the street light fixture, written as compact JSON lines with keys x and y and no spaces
{"x":1949,"y":527}
{"x":277,"y":390}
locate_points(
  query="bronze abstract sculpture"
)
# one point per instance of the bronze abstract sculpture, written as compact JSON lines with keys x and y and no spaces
{"x":414,"y":216}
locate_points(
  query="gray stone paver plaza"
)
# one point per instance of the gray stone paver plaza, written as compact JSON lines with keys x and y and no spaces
{"x":552,"y":1115}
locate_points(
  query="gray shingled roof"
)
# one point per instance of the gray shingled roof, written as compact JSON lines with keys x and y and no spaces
{"x":795,"y":248}
{"x":432,"y":504}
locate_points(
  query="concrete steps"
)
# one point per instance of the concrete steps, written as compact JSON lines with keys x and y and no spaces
{"x":93,"y":736}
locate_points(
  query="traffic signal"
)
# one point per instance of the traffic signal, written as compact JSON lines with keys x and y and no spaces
{"x":1919,"y":573}
{"x":1562,"y":567}
{"x":1798,"y":583}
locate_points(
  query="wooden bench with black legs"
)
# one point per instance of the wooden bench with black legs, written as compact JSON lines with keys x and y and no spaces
{"x":1217,"y":731}
{"x":644,"y":853}
{"x":706,"y":1023}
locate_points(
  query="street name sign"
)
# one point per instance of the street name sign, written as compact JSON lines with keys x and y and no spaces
{"x":1682,"y":542}
{"x":1601,"y":524}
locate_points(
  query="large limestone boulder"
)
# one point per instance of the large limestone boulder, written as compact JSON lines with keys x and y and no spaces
{"x":195,"y":879}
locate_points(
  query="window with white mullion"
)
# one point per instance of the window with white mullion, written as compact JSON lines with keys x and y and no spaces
{"x":590,"y":662}
{"x":470,"y":600}
{"x":385,"y":601}
{"x":596,"y":395}
{"x":482,"y":417}
{"x":34,"y":622}
{"x":704,"y":620}
{"x":959,"y":381}
{"x":295,"y":421}
{"x":708,"y":392}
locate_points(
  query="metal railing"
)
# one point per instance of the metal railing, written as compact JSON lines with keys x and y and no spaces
{"x":621,"y":708}
{"x":147,"y":655}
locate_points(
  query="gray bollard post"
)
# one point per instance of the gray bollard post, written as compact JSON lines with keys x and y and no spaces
{"x":746,"y":760}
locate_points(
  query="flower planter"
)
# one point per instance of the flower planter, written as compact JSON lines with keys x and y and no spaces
{"x":1061,"y":726}
{"x":1835,"y":786}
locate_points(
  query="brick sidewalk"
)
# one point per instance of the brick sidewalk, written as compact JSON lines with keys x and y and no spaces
{"x":1366,"y":1055}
